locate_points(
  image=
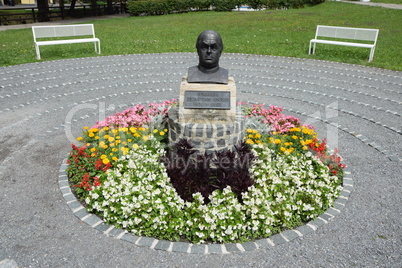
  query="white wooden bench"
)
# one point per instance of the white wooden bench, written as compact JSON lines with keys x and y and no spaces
{"x":68,"y":31}
{"x":361,"y":34}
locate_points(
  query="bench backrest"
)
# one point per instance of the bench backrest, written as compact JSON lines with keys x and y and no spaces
{"x":63,"y":30}
{"x":347,"y":33}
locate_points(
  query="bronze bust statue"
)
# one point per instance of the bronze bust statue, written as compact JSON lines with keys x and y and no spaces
{"x":209,"y":48}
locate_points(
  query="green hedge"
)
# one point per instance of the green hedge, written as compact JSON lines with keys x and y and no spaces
{"x":160,"y":7}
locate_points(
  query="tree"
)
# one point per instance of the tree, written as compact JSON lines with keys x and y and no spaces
{"x":43,"y":10}
{"x":72,"y":6}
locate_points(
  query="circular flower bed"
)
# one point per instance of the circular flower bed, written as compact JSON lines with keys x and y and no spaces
{"x":279,"y":177}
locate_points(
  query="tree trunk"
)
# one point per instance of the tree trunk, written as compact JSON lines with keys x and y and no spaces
{"x":61,"y":4}
{"x":72,"y":6}
{"x":110,"y":7}
{"x":43,"y":10}
{"x":94,"y":8}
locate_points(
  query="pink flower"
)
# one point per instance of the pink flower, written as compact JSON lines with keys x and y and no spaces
{"x":136,"y":116}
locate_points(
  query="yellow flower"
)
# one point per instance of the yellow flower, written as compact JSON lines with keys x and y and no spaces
{"x":161,"y":133}
{"x":103,"y":156}
{"x":114,"y":158}
{"x":93,"y":149}
{"x":141,"y":129}
{"x":135,"y":146}
{"x":110,"y":139}
{"x":307,"y":131}
{"x":105,"y":161}
{"x":125,"y":150}
{"x":294,"y":137}
{"x":93,"y":154}
{"x":249,"y":130}
{"x":257,"y":136}
{"x":249,"y":141}
{"x":145,"y":138}
{"x":90,"y":134}
{"x":137,"y":135}
{"x":79,"y":139}
{"x":283,"y":149}
{"x":96,"y":137}
{"x":86,"y":127}
{"x":115,"y":149}
{"x":277,"y":141}
{"x":106,"y":137}
{"x":129,"y":140}
{"x":156,"y":131}
{"x":165,"y":130}
{"x":304,"y":147}
{"x":250,"y":136}
{"x":133,"y":129}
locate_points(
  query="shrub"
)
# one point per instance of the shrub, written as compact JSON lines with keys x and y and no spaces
{"x":224,"y":5}
{"x":160,"y":7}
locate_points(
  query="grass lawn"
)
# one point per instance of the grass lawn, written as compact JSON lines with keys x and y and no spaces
{"x":270,"y":32}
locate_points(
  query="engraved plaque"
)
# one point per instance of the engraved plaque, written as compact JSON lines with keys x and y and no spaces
{"x":207,"y":100}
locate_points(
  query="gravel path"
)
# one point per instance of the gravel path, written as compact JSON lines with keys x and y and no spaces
{"x":357,"y":108}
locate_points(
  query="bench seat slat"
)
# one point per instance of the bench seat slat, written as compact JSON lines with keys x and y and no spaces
{"x":331,"y":42}
{"x":70,"y":41}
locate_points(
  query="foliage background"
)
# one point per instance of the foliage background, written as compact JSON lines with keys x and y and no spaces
{"x":267,"y":32}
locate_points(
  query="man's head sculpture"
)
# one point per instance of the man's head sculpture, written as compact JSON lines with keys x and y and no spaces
{"x":209,"y":48}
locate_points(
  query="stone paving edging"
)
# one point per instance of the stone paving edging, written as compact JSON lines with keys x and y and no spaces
{"x":184,"y":247}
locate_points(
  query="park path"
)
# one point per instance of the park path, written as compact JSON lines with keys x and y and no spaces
{"x":386,"y":5}
{"x":358,"y":107}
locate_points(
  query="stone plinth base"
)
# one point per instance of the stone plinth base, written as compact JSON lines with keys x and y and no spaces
{"x":206,"y":136}
{"x":223,"y":107}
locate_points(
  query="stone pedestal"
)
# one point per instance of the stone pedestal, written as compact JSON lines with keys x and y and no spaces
{"x":207,"y":103}
{"x":206,"y":137}
{"x":207,"y":116}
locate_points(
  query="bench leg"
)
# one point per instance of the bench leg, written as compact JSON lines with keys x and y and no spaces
{"x":371,"y":54}
{"x":309,"y":49}
{"x":37,"y":51}
{"x":97,"y":47}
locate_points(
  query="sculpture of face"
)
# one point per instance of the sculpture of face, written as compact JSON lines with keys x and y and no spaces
{"x":209,"y":48}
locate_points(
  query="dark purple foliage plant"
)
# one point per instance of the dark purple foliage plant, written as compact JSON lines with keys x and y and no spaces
{"x":191,"y":172}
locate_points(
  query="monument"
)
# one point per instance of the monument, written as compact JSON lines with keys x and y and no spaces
{"x":207,"y":113}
